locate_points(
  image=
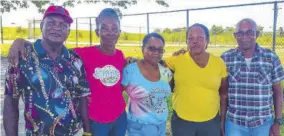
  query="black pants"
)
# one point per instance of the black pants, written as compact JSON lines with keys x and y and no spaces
{"x":182,"y":127}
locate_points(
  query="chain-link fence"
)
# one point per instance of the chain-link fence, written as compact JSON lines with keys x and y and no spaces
{"x":172,"y":25}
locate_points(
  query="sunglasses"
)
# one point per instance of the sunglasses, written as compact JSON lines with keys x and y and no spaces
{"x":248,"y":33}
{"x":154,"y":49}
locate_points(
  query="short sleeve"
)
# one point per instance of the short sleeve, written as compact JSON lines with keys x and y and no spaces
{"x":82,"y":88}
{"x":80,"y":51}
{"x":14,"y":82}
{"x":170,"y":62}
{"x":224,"y":72}
{"x":123,"y":57}
{"x":166,"y":74}
{"x":125,"y":76}
{"x":277,"y":71}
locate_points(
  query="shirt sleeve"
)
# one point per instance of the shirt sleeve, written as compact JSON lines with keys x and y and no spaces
{"x":123,"y":58}
{"x":170,"y":62}
{"x":82,"y":88}
{"x":80,"y":50}
{"x":277,"y":71}
{"x":14,"y":83}
{"x":166,"y":73}
{"x":125,"y":76}
{"x":224,"y":72}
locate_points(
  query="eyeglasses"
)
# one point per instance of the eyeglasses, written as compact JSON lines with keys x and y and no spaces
{"x":62,"y":26}
{"x":154,"y":49}
{"x":248,"y":33}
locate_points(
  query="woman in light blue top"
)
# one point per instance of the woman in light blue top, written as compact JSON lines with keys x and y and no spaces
{"x":147,"y":85}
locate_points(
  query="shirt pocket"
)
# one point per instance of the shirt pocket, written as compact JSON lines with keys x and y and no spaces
{"x":264,"y":76}
{"x":234,"y":74}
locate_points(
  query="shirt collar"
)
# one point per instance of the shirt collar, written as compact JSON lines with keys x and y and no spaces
{"x":257,"y":52}
{"x":41,"y":52}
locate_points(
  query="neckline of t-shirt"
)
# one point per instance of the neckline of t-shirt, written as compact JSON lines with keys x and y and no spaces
{"x":97,"y":47}
{"x":207,"y":65}
{"x":140,"y":73}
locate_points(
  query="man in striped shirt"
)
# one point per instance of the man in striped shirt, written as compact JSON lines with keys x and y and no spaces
{"x":255,"y":76}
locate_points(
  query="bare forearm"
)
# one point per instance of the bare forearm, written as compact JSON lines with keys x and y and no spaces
{"x":84,"y":114}
{"x":278,"y":99}
{"x":10,"y":116}
{"x":223,"y":105}
{"x":223,"y":92}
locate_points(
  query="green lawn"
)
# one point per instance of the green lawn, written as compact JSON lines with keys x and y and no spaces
{"x":135,"y":51}
{"x":224,"y":38}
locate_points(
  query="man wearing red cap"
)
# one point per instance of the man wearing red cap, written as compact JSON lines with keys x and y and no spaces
{"x":51,"y":81}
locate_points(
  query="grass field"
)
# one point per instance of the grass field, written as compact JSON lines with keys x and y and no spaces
{"x":135,"y":51}
{"x":224,"y":38}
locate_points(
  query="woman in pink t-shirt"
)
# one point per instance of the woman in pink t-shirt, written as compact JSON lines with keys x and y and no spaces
{"x":103,"y":65}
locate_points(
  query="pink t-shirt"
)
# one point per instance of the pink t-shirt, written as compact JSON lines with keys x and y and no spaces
{"x":104,"y":74}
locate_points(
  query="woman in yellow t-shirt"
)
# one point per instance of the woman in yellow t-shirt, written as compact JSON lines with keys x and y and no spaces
{"x":200,"y":88}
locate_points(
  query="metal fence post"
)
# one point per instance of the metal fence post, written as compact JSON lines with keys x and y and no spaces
{"x":187,"y":19}
{"x":91,"y":31}
{"x":1,"y":30}
{"x":34,"y":29}
{"x":275,"y":25}
{"x":148,"y":25}
{"x":76,"y":32}
{"x":140,"y":43}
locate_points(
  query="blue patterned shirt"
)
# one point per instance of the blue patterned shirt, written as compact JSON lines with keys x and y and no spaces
{"x":250,"y":94}
{"x":50,"y":89}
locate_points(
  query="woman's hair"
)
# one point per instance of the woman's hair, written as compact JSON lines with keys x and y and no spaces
{"x":203,"y":27}
{"x":107,"y":12}
{"x":150,"y":35}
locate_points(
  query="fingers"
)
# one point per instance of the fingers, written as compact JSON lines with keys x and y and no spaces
{"x":270,"y":133}
{"x":89,"y":99}
{"x":23,"y":53}
{"x":131,"y":60}
{"x":182,"y":51}
{"x":16,"y":58}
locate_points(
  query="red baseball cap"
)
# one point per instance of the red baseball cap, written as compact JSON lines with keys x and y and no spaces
{"x":58,"y":10}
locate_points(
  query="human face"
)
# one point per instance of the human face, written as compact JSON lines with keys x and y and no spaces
{"x":196,"y":40}
{"x":108,"y":31}
{"x":246,"y":35}
{"x":153,"y":50}
{"x":55,"y":29}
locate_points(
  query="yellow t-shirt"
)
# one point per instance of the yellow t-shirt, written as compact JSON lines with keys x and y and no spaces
{"x":196,"y":94}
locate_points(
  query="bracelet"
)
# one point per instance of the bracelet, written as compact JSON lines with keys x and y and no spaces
{"x":87,"y":134}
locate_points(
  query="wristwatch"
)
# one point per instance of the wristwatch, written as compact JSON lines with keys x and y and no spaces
{"x":279,"y":121}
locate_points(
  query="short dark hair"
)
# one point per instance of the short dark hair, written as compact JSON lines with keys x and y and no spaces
{"x":247,"y":20}
{"x":150,"y":35}
{"x":107,"y":12}
{"x":203,"y":27}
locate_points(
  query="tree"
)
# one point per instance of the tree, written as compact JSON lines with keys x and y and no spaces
{"x":229,"y":29}
{"x":80,"y":35}
{"x":125,"y":36}
{"x":215,"y":30}
{"x":167,"y":30}
{"x":281,"y":31}
{"x":177,"y":30}
{"x":19,"y":30}
{"x":8,"y":5}
{"x":157,"y":30}
{"x":260,"y":29}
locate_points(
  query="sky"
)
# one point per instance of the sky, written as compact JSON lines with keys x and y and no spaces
{"x":262,"y":14}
